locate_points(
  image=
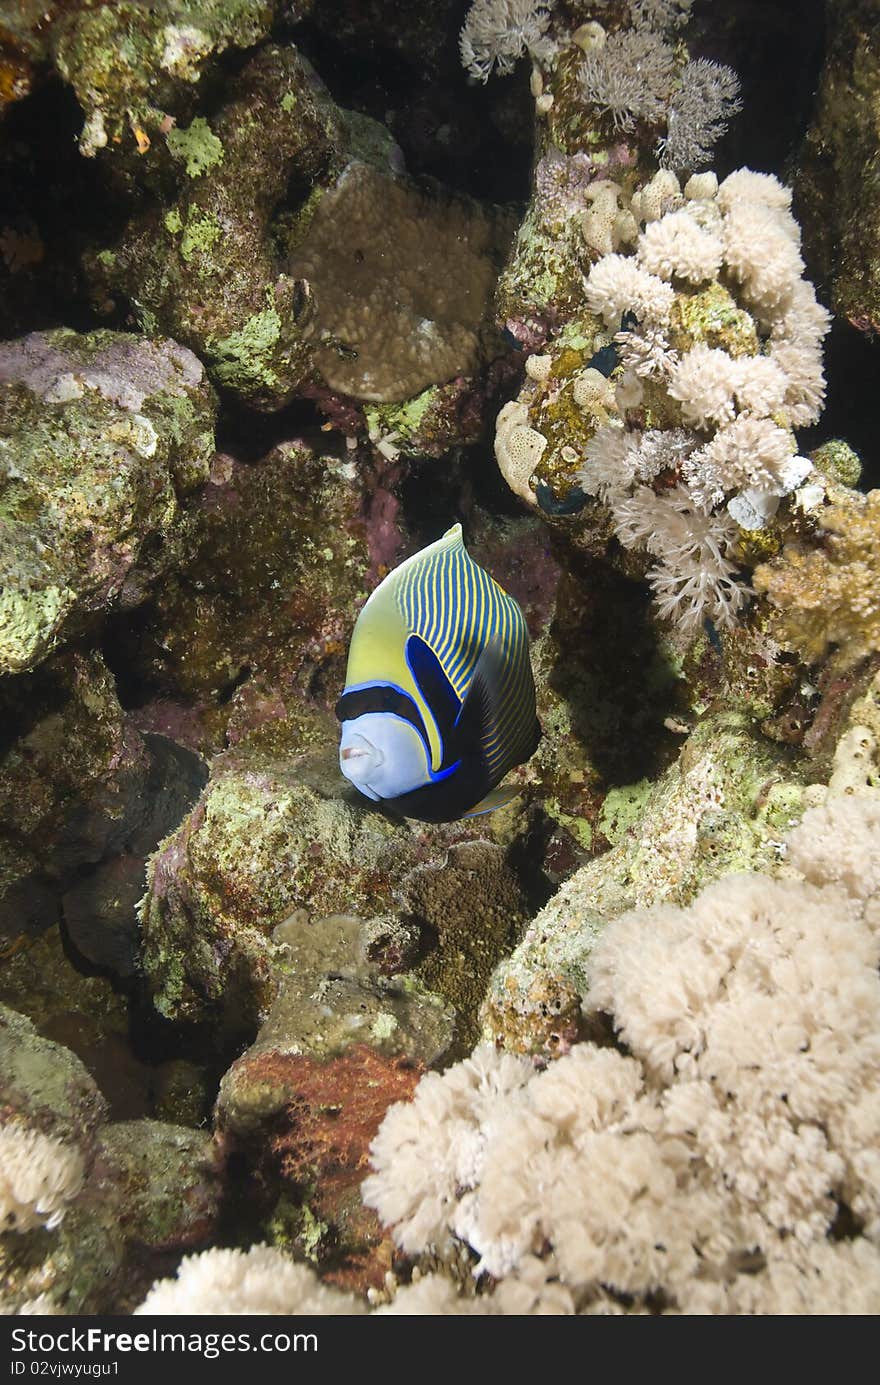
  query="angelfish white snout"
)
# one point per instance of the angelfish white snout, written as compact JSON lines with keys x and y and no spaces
{"x":383,"y":755}
{"x":359,"y":760}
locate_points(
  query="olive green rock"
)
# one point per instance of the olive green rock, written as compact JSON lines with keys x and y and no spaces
{"x":102,"y":438}
{"x":837,"y":188}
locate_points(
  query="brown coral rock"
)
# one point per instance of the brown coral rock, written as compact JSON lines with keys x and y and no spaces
{"x":839,"y":196}
{"x":316,"y":1153}
{"x":828,"y":596}
{"x":401,"y":282}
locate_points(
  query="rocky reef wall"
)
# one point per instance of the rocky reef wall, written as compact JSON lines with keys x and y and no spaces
{"x":286,"y":291}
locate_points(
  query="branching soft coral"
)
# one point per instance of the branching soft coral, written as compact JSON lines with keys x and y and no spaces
{"x":39,"y":1176}
{"x":706,"y":98}
{"x":710,"y":1163}
{"x":830,"y":596}
{"x":497,"y":33}
{"x":631,"y":77}
{"x":693,"y":578}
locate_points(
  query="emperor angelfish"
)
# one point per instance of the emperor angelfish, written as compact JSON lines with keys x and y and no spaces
{"x":439,"y":699}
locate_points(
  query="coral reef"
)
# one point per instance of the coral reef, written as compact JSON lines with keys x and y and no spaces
{"x":276,"y":276}
{"x":682,"y":423}
{"x":103,"y":437}
{"x":85,"y":798}
{"x":709,"y":1163}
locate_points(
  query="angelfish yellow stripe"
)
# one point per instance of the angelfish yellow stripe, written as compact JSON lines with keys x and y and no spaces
{"x":453,"y":628}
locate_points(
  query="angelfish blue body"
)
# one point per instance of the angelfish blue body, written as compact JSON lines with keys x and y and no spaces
{"x":439,"y":699}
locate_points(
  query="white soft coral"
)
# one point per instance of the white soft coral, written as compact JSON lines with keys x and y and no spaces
{"x":497,"y":33}
{"x":708,"y":1162}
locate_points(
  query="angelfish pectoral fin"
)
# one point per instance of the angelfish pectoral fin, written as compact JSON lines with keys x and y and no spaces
{"x":496,"y":799}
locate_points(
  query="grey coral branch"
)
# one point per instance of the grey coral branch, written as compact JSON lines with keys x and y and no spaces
{"x":701,"y":107}
{"x":631,"y":77}
{"x":497,"y":33}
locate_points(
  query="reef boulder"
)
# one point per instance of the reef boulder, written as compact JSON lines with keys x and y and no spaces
{"x":102,"y":438}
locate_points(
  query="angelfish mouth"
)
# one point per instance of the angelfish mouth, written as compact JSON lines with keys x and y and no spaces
{"x":361,"y":752}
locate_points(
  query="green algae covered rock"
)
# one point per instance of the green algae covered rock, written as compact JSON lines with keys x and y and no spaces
{"x":129,"y":63}
{"x":837,"y":187}
{"x":276,"y":830}
{"x":102,"y":437}
{"x":723,"y":807}
{"x":44,"y":1086}
{"x":271,"y":834}
{"x":202,"y":266}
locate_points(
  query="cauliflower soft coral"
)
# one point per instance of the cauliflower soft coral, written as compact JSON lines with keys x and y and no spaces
{"x":710,"y":1167}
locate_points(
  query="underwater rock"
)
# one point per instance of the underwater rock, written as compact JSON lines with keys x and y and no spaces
{"x":80,"y":1011}
{"x":264,"y":606}
{"x":84,"y":799}
{"x":100,"y":914}
{"x":838,"y":198}
{"x":44,"y":1086}
{"x":306,"y":1165}
{"x":330,"y":996}
{"x":165,"y":1180}
{"x":72,"y":771}
{"x":23,"y":49}
{"x":122,"y":1194}
{"x":91,"y":1017}
{"x":401,"y":281}
{"x":203,"y":265}
{"x":132,"y":65}
{"x":103,"y":437}
{"x":437,"y":419}
{"x":441,"y":897}
{"x":100,"y":908}
{"x":295,"y":258}
{"x":276,"y":830}
{"x":720,"y":809}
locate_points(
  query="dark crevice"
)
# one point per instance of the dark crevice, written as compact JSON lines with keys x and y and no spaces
{"x":852,"y":369}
